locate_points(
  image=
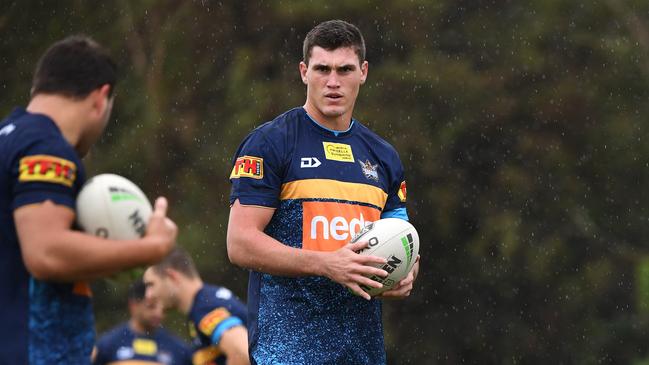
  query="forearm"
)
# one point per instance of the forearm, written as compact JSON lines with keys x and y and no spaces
{"x":257,"y":251}
{"x":74,"y":256}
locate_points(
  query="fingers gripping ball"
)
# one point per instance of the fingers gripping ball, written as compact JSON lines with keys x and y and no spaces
{"x":111,"y":206}
{"x":398,"y":242}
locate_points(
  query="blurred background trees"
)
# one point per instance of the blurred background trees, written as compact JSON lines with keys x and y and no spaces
{"x":522,"y":126}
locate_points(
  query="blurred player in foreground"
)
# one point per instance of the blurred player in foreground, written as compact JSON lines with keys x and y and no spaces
{"x":46,"y":313}
{"x":216,"y":317}
{"x":302,"y":185}
{"x":141,"y":339}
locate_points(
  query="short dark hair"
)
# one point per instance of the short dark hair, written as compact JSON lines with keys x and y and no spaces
{"x":136,"y":291}
{"x":179,"y":260}
{"x":334,"y":34}
{"x":74,"y":67}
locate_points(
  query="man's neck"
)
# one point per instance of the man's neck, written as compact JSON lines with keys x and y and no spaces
{"x":187,"y":294}
{"x":63,"y":111}
{"x":340,"y":123}
{"x":138,"y":328}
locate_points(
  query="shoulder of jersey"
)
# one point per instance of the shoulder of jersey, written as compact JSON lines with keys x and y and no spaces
{"x":25,"y":129}
{"x":375,"y":137}
{"x":281,"y":122}
{"x":114,"y":333}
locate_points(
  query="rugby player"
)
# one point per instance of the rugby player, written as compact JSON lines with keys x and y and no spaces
{"x":302,"y":185}
{"x":217,"y":318}
{"x":46,"y":315}
{"x":141,"y":340}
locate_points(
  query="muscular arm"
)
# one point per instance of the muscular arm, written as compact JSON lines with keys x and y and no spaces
{"x":234,"y":343}
{"x":52,"y":251}
{"x":250,"y":247}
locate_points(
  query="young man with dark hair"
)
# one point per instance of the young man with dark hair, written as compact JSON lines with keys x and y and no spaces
{"x":217,"y":318}
{"x":141,"y":339}
{"x":46,"y":311}
{"x":302,"y":185}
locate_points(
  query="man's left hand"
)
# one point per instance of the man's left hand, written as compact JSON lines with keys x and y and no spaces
{"x":404,"y":287}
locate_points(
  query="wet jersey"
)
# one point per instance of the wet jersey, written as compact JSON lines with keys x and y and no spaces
{"x":42,"y":323}
{"x":214,"y":310}
{"x":324,"y":186}
{"x":123,"y":346}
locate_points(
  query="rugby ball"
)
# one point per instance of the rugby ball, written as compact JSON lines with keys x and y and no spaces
{"x":398,"y":242}
{"x":113,"y":207}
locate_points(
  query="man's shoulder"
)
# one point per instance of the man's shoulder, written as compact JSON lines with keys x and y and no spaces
{"x":169,"y":339}
{"x":214,"y":293}
{"x":375,"y":139}
{"x":22,"y":131}
{"x":282,"y":123}
{"x":116,"y":333}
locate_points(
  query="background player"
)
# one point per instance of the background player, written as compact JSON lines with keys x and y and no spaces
{"x":301,"y":186}
{"x":217,"y":318}
{"x":46,"y":311}
{"x":141,"y":339}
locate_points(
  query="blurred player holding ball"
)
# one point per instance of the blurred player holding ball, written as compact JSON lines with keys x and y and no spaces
{"x":46,"y":311}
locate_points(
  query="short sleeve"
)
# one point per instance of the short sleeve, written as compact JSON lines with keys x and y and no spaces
{"x":46,"y":169}
{"x":216,"y":322}
{"x":395,"y":205}
{"x":257,"y":169}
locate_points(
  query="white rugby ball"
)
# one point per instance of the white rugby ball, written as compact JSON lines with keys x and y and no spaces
{"x":398,"y":242}
{"x":111,"y":206}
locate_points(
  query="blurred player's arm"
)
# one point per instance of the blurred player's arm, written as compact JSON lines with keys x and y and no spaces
{"x":53,"y":251}
{"x":250,"y":247}
{"x":234,"y":343}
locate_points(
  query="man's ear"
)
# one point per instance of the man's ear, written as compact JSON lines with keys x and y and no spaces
{"x":364,"y":68}
{"x":100,"y":99}
{"x":303,"y":69}
{"x":172,"y":274}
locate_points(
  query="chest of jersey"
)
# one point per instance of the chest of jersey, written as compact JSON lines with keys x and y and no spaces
{"x":341,"y":185}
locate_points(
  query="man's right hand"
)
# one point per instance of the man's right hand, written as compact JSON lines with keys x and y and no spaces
{"x":161,"y":231}
{"x":347,"y":267}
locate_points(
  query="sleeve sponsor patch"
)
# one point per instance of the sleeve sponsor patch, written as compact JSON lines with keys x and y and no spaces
{"x":205,"y":355}
{"x":46,"y":168}
{"x":212,"y":320}
{"x":248,"y":166}
{"x":402,"y":192}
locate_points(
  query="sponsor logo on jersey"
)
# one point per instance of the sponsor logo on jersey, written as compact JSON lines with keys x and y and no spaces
{"x":309,"y":162}
{"x":369,"y":170}
{"x":338,"y":152}
{"x":212,"y":319}
{"x":124,"y":353}
{"x":143,"y":346}
{"x":248,"y":166}
{"x":402,"y":192}
{"x":46,"y":168}
{"x":327,"y":226}
{"x":7,"y":129}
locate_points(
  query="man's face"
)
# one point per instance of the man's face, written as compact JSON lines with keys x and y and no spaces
{"x":148,"y":313}
{"x":333,"y":79}
{"x":158,"y":288}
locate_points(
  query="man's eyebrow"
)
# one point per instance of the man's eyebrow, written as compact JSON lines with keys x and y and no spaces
{"x":324,"y":66}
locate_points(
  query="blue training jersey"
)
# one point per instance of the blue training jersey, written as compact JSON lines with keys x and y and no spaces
{"x":41,"y":322}
{"x":122,"y":346}
{"x":214,"y":310}
{"x":324,"y":186}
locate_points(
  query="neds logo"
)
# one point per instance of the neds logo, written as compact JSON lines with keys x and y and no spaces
{"x":327,"y":226}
